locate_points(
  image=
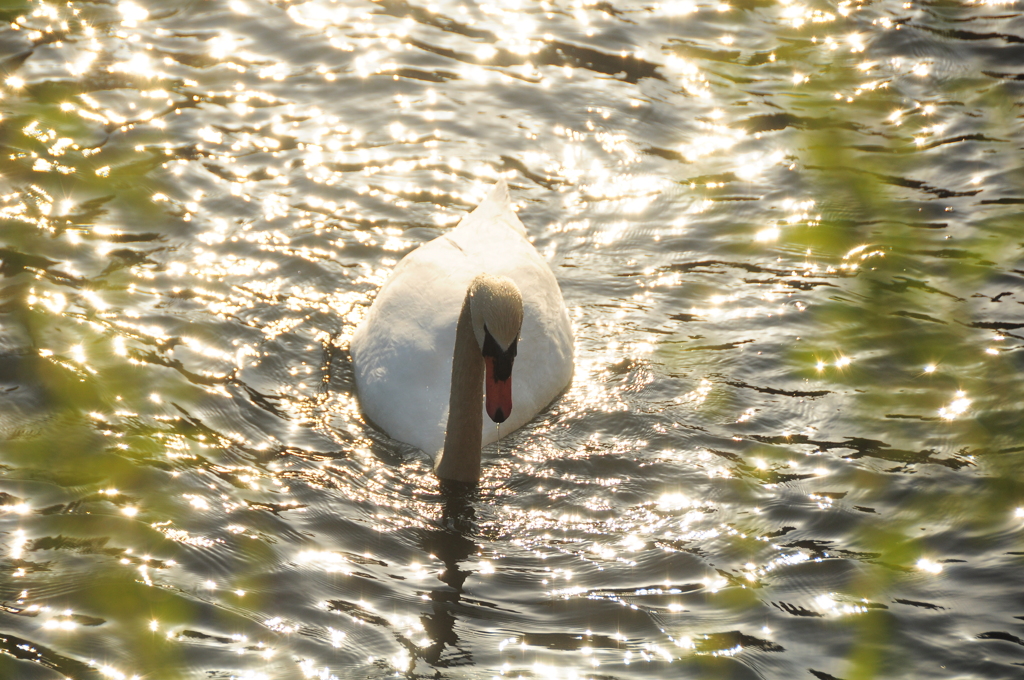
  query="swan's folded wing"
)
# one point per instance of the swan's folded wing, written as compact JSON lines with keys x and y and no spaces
{"x":402,"y":351}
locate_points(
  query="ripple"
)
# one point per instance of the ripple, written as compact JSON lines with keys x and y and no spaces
{"x":786,"y":235}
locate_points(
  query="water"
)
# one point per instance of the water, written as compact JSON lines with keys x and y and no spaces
{"x":788,"y":236}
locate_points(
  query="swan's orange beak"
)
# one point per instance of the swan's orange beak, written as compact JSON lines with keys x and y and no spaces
{"x":498,"y":394}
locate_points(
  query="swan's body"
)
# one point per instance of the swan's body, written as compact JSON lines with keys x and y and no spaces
{"x":403,"y":349}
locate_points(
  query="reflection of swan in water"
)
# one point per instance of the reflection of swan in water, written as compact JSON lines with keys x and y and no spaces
{"x":452,"y":546}
{"x":452,"y":543}
{"x":474,"y":311}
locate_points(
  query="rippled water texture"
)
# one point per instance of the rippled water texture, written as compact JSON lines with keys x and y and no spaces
{"x":789,"y":236}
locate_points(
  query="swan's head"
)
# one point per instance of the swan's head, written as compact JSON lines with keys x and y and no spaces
{"x":496,"y":306}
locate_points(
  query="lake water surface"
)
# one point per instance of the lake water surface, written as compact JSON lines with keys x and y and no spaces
{"x":789,"y":235}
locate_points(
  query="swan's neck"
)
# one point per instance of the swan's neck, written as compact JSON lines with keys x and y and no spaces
{"x":460,"y":458}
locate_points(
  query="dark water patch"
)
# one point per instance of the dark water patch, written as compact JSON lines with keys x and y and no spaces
{"x":1004,"y":76}
{"x":198,"y":637}
{"x":1002,"y":201}
{"x":9,"y":499}
{"x":357,"y":612}
{"x":558,"y":54}
{"x":959,"y":34}
{"x":774,"y":390}
{"x":274,"y":508}
{"x":901,"y":284}
{"x":643,"y":591}
{"x":568,"y":642}
{"x":716,"y":643}
{"x":1000,"y":635}
{"x":726,"y":199}
{"x":863,"y":447}
{"x":958,"y":139}
{"x":781,"y":121}
{"x":922,"y":605}
{"x":796,"y":610}
{"x":821,"y":675}
{"x":997,"y":325}
{"x":955,"y":254}
{"x":702,"y":348}
{"x":19,"y":611}
{"x":919,"y":316}
{"x":667,"y":154}
{"x":822,"y":550}
{"x":428,"y":76}
{"x":799,"y":284}
{"x":26,"y":650}
{"x":919,"y":185}
{"x":83,"y":545}
{"x":13,"y":263}
{"x":544,"y":181}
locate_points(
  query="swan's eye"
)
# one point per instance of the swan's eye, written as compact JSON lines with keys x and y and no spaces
{"x":491,"y":347}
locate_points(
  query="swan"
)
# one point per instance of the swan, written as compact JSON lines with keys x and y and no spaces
{"x":470,"y":323}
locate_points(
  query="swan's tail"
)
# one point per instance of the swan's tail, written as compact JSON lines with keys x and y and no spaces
{"x":496,"y":208}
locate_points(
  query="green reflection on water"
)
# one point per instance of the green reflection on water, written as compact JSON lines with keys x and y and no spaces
{"x":873,"y":333}
{"x":919,"y":376}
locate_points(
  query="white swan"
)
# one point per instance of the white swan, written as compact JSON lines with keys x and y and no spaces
{"x":445,"y":328}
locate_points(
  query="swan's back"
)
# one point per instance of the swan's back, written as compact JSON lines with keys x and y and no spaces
{"x":402,"y":350}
